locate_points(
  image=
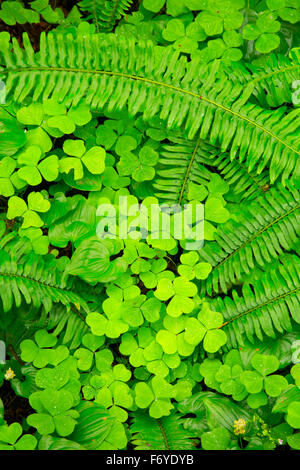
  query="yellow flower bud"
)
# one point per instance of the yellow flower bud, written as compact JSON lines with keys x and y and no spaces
{"x":9,"y":374}
{"x":239,"y":426}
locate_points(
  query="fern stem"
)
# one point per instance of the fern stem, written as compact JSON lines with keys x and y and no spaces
{"x":112,"y":17}
{"x":19,"y":276}
{"x":95,"y":15}
{"x":163,"y":433}
{"x":275,"y":299}
{"x":186,"y":177}
{"x":13,"y":352}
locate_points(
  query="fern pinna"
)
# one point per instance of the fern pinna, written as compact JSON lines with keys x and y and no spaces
{"x":259,"y":234}
{"x":182,"y":162}
{"x":267,"y":305}
{"x":26,"y":276}
{"x":273,"y":84}
{"x":165,"y":434}
{"x":105,"y":13}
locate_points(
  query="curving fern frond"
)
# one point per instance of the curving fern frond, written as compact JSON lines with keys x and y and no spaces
{"x":34,"y":279}
{"x":262,"y":231}
{"x":184,"y":161}
{"x":105,"y":13}
{"x":244,"y":183}
{"x":180,"y":164}
{"x":117,"y":73}
{"x":166,"y":433}
{"x":272,"y":84}
{"x":267,"y":306}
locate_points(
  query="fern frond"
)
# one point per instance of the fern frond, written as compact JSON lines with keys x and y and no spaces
{"x":262,"y":231}
{"x":105,"y":13}
{"x":267,"y":306}
{"x":178,"y":165}
{"x":244,"y":183}
{"x":34,"y":279}
{"x":166,"y":433}
{"x":272,"y":85}
{"x":117,"y":73}
{"x":182,"y":162}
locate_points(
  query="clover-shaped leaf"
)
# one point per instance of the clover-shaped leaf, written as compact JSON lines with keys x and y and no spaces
{"x":93,"y":159}
{"x":230,"y":384}
{"x":31,"y":115}
{"x":17,"y":207}
{"x":259,"y":379}
{"x":113,"y":393}
{"x":191,"y":269}
{"x":54,"y":412}
{"x":144,"y":171}
{"x":218,"y":15}
{"x":54,"y":378}
{"x":157,"y":271}
{"x":264,"y":32}
{"x":252,"y":381}
{"x":184,"y":38}
{"x":104,"y":359}
{"x":167,"y":340}
{"x":209,"y":369}
{"x":265,"y":364}
{"x":39,"y":352}
{"x":295,"y":373}
{"x":10,"y":438}
{"x":293,"y":414}
{"x":155,"y":395}
{"x":178,"y":337}
{"x":194,"y":331}
{"x":112,"y":327}
{"x":14,"y":12}
{"x":143,"y":349}
{"x":214,"y":337}
{"x":85,"y":355}
{"x":180,"y":290}
{"x":85,"y":358}
{"x":61,"y":120}
{"x":257,"y":400}
{"x":7,"y":167}
{"x":215,"y":211}
{"x":39,"y":242}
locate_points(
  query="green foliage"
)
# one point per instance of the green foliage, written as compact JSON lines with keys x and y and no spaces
{"x":12,"y":138}
{"x":14,"y":12}
{"x":11,"y":438}
{"x":214,"y":102}
{"x":250,"y":315}
{"x":104,"y":13}
{"x":164,"y":434}
{"x":34,"y":279}
{"x":123,"y":336}
{"x":257,"y":238}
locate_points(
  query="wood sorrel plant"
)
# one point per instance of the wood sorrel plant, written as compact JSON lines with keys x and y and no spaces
{"x":148,"y":340}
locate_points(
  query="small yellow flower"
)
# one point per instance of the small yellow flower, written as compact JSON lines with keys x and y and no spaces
{"x":9,"y":374}
{"x":239,"y":426}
